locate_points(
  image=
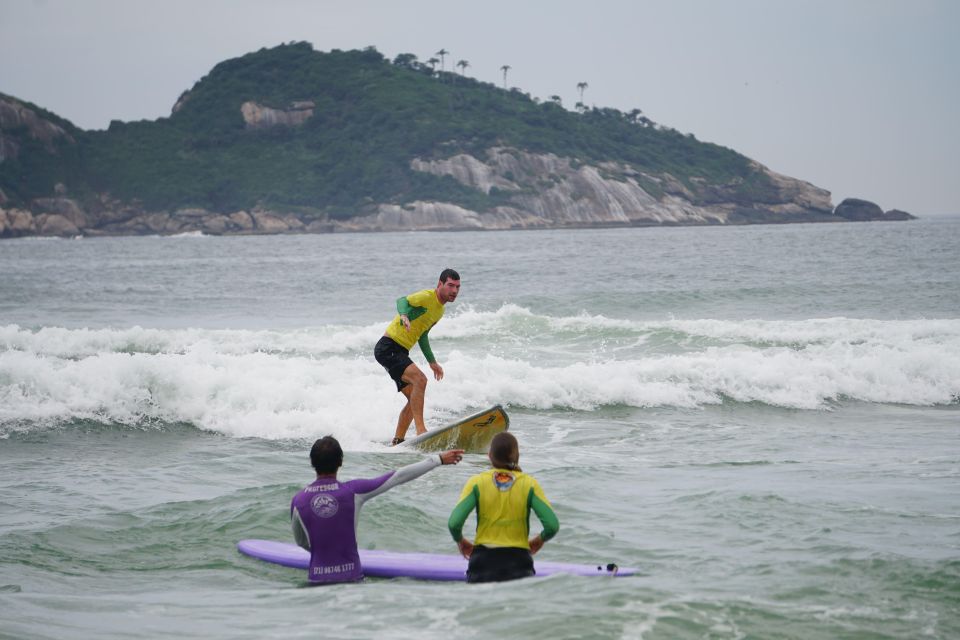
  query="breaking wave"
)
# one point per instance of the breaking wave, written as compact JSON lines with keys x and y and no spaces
{"x":302,"y":382}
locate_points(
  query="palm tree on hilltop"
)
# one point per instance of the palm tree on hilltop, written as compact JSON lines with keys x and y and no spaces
{"x":505,"y":68}
{"x":581,"y":86}
{"x":463,"y":64}
{"x":442,"y":53}
{"x":433,"y":63}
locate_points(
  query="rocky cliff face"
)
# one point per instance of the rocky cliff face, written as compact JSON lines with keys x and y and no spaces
{"x":544,"y":190}
{"x":15,"y":116}
{"x":257,"y":116}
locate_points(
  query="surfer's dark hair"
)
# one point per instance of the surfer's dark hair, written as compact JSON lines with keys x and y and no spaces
{"x":449,"y":274}
{"x":505,"y":451}
{"x":326,"y":456}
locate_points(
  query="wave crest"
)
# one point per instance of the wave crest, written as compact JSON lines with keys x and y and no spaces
{"x":306,"y":382}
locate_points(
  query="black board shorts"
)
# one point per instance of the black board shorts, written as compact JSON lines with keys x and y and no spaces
{"x":497,"y":564}
{"x":394,"y":358}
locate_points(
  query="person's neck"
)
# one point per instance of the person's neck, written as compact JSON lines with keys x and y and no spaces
{"x":327,"y":476}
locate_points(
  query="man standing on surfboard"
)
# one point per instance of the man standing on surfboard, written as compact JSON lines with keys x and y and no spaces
{"x":416,"y":315}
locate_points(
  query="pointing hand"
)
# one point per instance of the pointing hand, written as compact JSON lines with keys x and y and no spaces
{"x":453,"y":456}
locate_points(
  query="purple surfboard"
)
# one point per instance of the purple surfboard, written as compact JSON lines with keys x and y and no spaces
{"x":423,"y":566}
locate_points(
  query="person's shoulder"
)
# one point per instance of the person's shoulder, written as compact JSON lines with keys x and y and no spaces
{"x":526,"y":477}
{"x":478,"y":477}
{"x":306,"y":488}
{"x":534,"y":483}
{"x":300,"y":493}
{"x":422,"y":295}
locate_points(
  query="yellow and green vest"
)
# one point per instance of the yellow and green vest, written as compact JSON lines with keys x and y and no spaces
{"x":503,"y":499}
{"x":424,"y":310}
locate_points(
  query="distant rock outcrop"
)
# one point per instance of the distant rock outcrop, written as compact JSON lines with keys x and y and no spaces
{"x":65,"y":217}
{"x":258,"y":116}
{"x":856,"y":209}
{"x":65,"y":208}
{"x":17,"y":222}
{"x":897,"y":214}
{"x":863,"y":210}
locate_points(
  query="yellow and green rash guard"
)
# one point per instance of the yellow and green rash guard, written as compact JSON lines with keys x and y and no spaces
{"x":423,"y":310}
{"x":503,"y":500}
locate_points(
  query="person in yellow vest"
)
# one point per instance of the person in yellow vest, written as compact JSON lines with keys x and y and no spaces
{"x":503,"y":498}
{"x":416,"y":315}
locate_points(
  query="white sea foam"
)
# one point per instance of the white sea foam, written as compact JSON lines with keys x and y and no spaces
{"x":305,"y":382}
{"x":78,"y":343}
{"x":186,"y":234}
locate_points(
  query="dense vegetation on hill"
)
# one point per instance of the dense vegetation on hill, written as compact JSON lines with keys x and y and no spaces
{"x":371,"y":117}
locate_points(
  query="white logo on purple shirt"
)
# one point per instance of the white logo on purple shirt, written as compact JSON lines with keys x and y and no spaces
{"x":324,"y":505}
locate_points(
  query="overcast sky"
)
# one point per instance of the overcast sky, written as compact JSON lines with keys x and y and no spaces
{"x":860,"y":97}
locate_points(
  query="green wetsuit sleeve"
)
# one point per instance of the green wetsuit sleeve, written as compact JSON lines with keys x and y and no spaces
{"x":460,"y":513}
{"x":549,"y":520}
{"x":424,"y":343}
{"x":404,"y":308}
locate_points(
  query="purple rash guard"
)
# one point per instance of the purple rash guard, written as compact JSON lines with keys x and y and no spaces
{"x":324,"y":517}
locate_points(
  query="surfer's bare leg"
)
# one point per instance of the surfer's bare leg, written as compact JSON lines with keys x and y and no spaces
{"x":415,"y":390}
{"x":406,"y":417}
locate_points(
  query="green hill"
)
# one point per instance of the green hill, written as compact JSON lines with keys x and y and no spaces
{"x":370,"y":118}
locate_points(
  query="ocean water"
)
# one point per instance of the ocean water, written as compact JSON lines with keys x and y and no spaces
{"x":764,"y":420}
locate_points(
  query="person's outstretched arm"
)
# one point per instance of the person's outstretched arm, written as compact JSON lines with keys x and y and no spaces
{"x":366,"y":489}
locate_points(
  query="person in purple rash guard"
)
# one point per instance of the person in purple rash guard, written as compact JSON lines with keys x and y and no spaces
{"x":324,"y":515}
